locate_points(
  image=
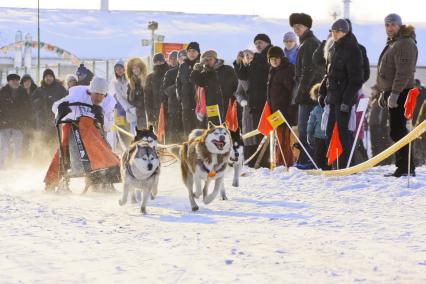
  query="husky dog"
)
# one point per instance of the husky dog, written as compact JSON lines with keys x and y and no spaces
{"x":236,"y":158}
{"x":140,"y":171}
{"x":147,"y":135}
{"x":205,"y":158}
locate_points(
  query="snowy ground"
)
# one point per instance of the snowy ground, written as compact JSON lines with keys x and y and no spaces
{"x":276,"y":228}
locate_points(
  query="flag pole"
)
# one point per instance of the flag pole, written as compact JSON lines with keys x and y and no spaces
{"x":301,"y":144}
{"x":356,"y":139}
{"x":218,"y":112}
{"x":337,"y":155}
{"x":271,"y":150}
{"x":409,"y":156}
{"x":281,"y":150}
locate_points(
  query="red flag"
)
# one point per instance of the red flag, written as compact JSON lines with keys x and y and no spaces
{"x":161,"y":124}
{"x":410,"y":103}
{"x":335,"y":148}
{"x":264,"y":126}
{"x":231,"y":116}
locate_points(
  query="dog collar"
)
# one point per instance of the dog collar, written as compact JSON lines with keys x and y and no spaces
{"x":213,"y":172}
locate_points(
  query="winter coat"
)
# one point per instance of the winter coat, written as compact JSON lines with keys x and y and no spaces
{"x":154,"y":94}
{"x":80,"y":94}
{"x":280,"y":88}
{"x":291,"y":54}
{"x":314,"y":123}
{"x":41,"y":102}
{"x":118,"y":89}
{"x":15,"y":108}
{"x":344,"y":76}
{"x":169,"y":88}
{"x":219,"y":83}
{"x":257,"y":76}
{"x":307,"y":73}
{"x":397,"y":62}
{"x":185,"y":89}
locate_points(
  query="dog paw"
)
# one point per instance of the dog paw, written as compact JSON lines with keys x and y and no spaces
{"x":235,"y":184}
{"x":223,"y":197}
{"x":195,"y":208}
{"x":143,"y":210}
{"x":121,"y":202}
{"x":152,"y":196}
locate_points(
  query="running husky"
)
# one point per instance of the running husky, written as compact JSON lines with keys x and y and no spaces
{"x":205,"y":158}
{"x":236,"y":158}
{"x":140,"y":171}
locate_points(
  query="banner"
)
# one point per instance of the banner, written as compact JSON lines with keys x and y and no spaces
{"x":213,"y":111}
{"x":165,"y":48}
{"x":276,"y":119}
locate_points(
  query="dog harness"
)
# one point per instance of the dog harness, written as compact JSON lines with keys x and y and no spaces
{"x":212,"y":172}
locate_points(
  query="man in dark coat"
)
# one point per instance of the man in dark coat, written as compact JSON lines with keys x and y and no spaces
{"x":42,"y":100}
{"x":341,"y":84}
{"x":185,"y":89}
{"x":219,"y":81}
{"x":14,"y":114}
{"x":174,"y":127}
{"x":307,"y":75}
{"x":395,"y":77}
{"x":154,"y":94}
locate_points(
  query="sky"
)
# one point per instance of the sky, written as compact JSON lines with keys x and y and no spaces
{"x":361,"y":10}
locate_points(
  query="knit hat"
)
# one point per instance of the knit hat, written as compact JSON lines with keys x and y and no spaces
{"x":290,"y":36}
{"x":182,"y":53}
{"x":393,"y":19}
{"x":193,"y":45}
{"x":70,"y":77}
{"x":98,"y":85}
{"x":13,"y":76}
{"x":48,"y":72}
{"x":300,"y":19}
{"x":263,"y":37}
{"x":82,"y":71}
{"x":209,"y":54}
{"x":340,"y":25}
{"x":158,"y":57}
{"x":276,"y":52}
{"x":119,"y":63}
{"x":173,"y":54}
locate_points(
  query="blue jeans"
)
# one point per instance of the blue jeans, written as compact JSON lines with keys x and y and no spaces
{"x":302,"y":125}
{"x":10,"y":144}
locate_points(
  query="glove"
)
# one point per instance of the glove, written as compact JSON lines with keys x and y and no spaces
{"x":393,"y":100}
{"x":243,"y":103}
{"x":381,"y":101}
{"x":98,"y":112}
{"x":321,"y":101}
{"x":198,"y":67}
{"x":344,"y":108}
{"x":63,"y":109}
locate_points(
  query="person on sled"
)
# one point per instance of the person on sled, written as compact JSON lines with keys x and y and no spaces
{"x":85,"y":115}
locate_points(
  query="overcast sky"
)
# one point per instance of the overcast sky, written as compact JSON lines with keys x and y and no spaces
{"x":361,"y":10}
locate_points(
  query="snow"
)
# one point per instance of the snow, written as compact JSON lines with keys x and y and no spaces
{"x":276,"y":228}
{"x":118,"y":34}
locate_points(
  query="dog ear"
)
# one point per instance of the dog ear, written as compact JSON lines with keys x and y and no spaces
{"x":225,"y":124}
{"x":138,"y":132}
{"x":211,"y":125}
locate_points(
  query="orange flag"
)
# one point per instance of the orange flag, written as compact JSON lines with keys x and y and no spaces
{"x":264,"y":126}
{"x":231,"y":116}
{"x":410,"y":103}
{"x":335,"y":148}
{"x":161,"y":131}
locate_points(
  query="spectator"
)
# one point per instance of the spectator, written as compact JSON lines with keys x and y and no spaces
{"x":136,"y":76}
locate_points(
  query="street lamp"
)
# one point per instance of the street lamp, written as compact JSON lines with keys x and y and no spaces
{"x":153,"y":26}
{"x":38,"y":41}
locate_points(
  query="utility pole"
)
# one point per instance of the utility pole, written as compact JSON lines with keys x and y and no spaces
{"x":153,"y":26}
{"x":38,"y":41}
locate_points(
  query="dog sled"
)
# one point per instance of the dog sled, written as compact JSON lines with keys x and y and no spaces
{"x":83,"y":152}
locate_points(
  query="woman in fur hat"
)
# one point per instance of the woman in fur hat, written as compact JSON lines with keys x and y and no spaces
{"x":279,"y":94}
{"x":136,"y":75}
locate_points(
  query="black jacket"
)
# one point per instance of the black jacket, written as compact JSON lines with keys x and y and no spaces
{"x":185,"y":89}
{"x":257,"y":76}
{"x":154,"y":94}
{"x":220,"y":84}
{"x":15,"y":108}
{"x":41,"y":102}
{"x":344,"y":77}
{"x":307,"y":73}
{"x":169,"y":89}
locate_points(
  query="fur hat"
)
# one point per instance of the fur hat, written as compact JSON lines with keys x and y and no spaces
{"x":300,"y":19}
{"x":13,"y":76}
{"x":48,"y":72}
{"x":193,"y":45}
{"x":209,"y":54}
{"x":158,"y":57}
{"x":98,"y":85}
{"x":263,"y":37}
{"x":276,"y":52}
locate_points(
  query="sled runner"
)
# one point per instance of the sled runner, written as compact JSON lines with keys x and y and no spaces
{"x":82,"y":152}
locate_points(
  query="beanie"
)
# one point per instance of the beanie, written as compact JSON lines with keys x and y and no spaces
{"x":48,"y":72}
{"x":340,"y":25}
{"x":194,"y":45}
{"x":263,"y":37}
{"x":393,"y":19}
{"x":98,"y":85}
{"x":173,"y":54}
{"x":158,"y":57}
{"x":276,"y":52}
{"x":290,"y":36}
